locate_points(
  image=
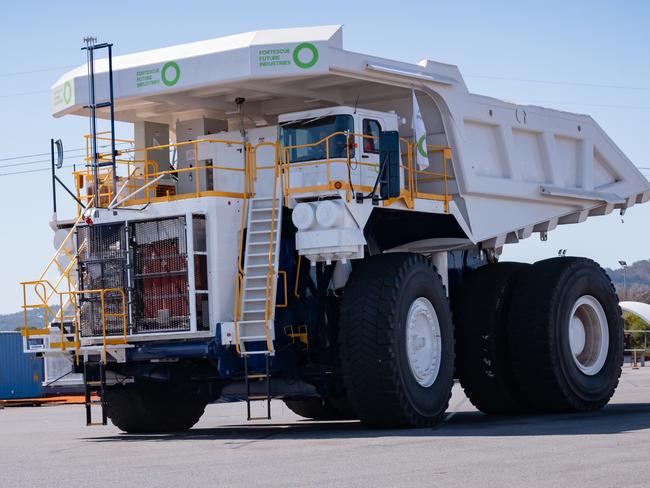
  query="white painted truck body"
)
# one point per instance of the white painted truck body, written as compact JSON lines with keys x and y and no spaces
{"x":518,"y":169}
{"x":197,"y":260}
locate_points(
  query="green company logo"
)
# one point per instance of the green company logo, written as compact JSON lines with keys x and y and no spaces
{"x":67,"y":92}
{"x":305,"y":46}
{"x":167,"y":78}
{"x":421,"y":143}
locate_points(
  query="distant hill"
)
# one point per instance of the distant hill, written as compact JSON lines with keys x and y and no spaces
{"x":14,"y":321}
{"x":636,"y":275}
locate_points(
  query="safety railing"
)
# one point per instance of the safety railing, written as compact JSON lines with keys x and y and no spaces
{"x":56,"y":280}
{"x":338,"y":150}
{"x":636,"y":346}
{"x":249,"y":190}
{"x":69,"y":324}
{"x":140,"y":180}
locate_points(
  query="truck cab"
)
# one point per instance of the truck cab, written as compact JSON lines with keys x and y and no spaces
{"x":318,"y":144}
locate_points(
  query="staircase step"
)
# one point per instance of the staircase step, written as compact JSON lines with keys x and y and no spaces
{"x":263,"y":209}
{"x":253,"y":353}
{"x":252,"y":338}
{"x":255,"y":288}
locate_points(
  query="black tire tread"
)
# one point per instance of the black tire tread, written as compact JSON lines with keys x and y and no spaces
{"x":536,"y":368}
{"x":315,"y":408}
{"x":481,"y":323}
{"x":138,"y":408}
{"x":368,"y":355}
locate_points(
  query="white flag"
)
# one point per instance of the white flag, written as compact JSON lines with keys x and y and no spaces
{"x":420,"y":132}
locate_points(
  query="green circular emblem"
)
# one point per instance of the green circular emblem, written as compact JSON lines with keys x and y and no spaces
{"x":309,"y":47}
{"x":422,"y":141}
{"x":67,"y":92}
{"x":164,"y":76}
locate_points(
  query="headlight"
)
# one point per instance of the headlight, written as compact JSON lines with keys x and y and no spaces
{"x":329,"y":213}
{"x":303,"y":216}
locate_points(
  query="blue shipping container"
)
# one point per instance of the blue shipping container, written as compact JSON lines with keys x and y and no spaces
{"x":21,"y":375}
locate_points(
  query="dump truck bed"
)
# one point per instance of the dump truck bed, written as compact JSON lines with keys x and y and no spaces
{"x":517,"y":169}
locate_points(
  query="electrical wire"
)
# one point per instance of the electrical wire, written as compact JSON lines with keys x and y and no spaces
{"x":27,"y":163}
{"x":33,"y":170}
{"x":40,"y":70}
{"x":564,"y":83}
{"x":9,"y":95}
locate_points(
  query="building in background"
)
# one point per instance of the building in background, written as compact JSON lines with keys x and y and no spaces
{"x":21,"y":375}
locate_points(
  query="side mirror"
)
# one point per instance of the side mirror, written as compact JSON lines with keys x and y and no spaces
{"x":389,"y":184}
{"x":59,"y":153}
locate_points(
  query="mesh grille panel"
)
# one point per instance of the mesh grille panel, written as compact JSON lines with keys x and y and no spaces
{"x":102,"y":266}
{"x":160,"y":264}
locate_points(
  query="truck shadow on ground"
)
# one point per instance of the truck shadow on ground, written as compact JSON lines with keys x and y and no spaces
{"x":613,"y":419}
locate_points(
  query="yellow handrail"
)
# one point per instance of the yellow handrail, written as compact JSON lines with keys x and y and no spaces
{"x":413,"y":175}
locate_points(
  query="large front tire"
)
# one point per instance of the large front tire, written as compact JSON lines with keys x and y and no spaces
{"x":397,"y":344}
{"x":152,"y":407}
{"x":566,"y":339}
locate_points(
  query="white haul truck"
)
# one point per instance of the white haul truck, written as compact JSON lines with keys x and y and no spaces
{"x":293,"y":220}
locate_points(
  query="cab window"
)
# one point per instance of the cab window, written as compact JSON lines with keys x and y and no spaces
{"x":317,"y":138}
{"x":371,"y":129}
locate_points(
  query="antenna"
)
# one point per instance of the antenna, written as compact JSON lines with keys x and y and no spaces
{"x":356,"y":102}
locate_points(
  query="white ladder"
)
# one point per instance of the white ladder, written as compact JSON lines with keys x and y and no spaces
{"x":259,"y":289}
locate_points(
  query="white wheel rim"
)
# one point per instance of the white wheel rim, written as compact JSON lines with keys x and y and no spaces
{"x":588,"y":335}
{"x":423,"y":342}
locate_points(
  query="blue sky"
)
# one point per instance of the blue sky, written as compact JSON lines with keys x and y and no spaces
{"x":552,"y":53}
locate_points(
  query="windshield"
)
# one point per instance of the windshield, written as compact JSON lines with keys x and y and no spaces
{"x":310,"y":131}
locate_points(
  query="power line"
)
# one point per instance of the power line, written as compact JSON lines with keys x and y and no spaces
{"x":24,"y":94}
{"x":39,"y":154}
{"x":555,"y":102}
{"x":32,"y":170}
{"x":564,"y":83}
{"x":27,"y":163}
{"x":41,"y":70}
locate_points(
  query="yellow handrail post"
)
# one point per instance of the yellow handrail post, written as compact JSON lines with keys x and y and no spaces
{"x":446,"y":155}
{"x":196,"y":170}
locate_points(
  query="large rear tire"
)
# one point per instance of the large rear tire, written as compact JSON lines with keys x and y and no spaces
{"x":397,"y":344}
{"x":566,"y":342}
{"x":152,"y":407}
{"x":481,"y":324}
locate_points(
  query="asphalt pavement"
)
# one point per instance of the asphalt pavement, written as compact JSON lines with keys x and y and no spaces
{"x":51,"y":446}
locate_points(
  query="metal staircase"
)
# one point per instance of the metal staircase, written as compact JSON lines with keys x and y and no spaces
{"x":254,"y":329}
{"x":95,"y":385}
{"x":257,"y":286}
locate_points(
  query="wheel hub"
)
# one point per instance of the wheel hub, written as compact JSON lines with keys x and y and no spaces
{"x":588,"y":335}
{"x":423,"y":342}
